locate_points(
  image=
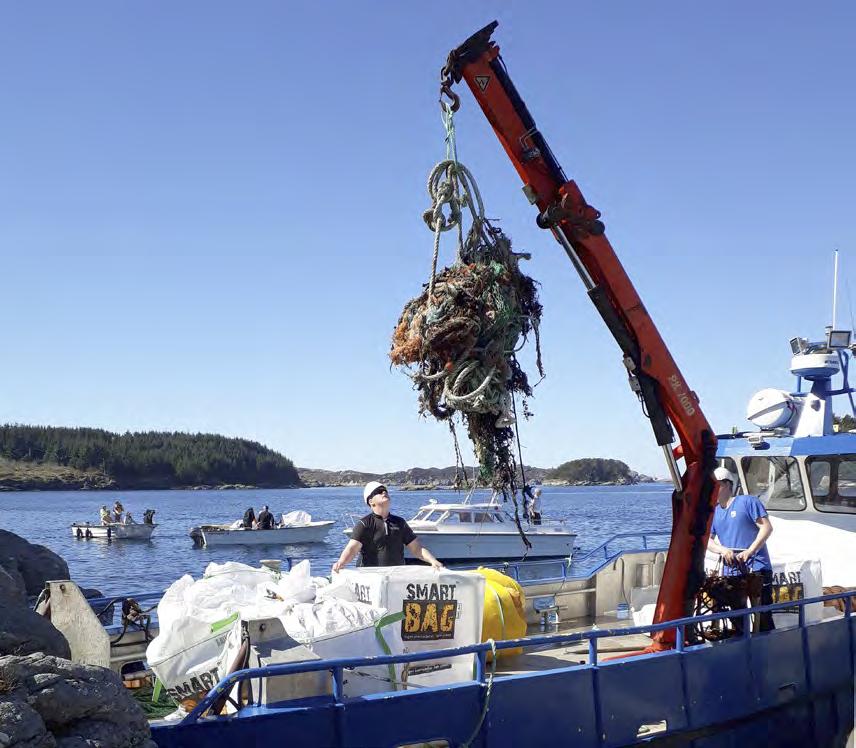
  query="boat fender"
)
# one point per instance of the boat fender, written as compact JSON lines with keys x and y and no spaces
{"x":88,"y":533}
{"x":79,"y":533}
{"x":109,"y":532}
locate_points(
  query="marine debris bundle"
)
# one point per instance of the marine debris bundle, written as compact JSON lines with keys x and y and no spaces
{"x":459,"y":338}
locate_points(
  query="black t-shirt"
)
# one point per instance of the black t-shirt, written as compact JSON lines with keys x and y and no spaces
{"x":383,"y":540}
{"x":265,"y":521}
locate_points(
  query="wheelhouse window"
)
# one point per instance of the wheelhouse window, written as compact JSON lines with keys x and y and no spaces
{"x":776,"y":481}
{"x":833,"y":483}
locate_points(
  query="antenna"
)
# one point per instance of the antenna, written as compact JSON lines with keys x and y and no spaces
{"x":834,"y":287}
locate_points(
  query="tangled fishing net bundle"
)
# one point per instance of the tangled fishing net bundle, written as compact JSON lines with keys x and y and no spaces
{"x":459,"y":338}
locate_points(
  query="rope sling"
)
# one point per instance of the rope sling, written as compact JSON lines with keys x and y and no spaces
{"x":458,"y":340}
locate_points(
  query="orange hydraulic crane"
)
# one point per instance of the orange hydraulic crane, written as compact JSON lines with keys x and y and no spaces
{"x":654,"y":375}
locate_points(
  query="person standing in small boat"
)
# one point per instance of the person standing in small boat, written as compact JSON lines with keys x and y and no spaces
{"x":739,"y":535}
{"x":105,"y":515}
{"x":380,"y":537}
{"x":265,"y":519}
{"x":535,"y":507}
{"x":249,"y":520}
{"x":118,"y":511}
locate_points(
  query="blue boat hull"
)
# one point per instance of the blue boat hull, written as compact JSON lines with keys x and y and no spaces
{"x":785,"y":688}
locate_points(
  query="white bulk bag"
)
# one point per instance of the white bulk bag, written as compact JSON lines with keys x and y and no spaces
{"x":427,"y":609}
{"x":795,"y":577}
{"x":195,"y":617}
{"x":185,"y":657}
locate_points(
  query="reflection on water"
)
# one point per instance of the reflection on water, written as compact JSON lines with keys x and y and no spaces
{"x":115,"y":567}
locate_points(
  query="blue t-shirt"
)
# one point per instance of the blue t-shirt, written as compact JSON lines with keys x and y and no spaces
{"x":737,"y":528}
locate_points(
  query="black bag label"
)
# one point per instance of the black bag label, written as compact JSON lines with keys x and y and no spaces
{"x":428,"y":620}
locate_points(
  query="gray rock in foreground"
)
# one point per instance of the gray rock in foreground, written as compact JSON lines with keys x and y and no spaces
{"x":47,"y":701}
{"x":23,"y":632}
{"x":24,"y":567}
{"x":13,"y":591}
{"x":32,"y":564}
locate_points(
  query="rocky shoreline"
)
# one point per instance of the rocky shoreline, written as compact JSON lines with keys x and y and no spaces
{"x":46,"y":700}
{"x":609,"y":472}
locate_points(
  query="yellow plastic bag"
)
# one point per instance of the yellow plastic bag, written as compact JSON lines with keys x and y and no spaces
{"x":504,"y":616}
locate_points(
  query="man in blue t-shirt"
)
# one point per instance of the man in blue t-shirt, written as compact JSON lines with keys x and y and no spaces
{"x":739,"y":534}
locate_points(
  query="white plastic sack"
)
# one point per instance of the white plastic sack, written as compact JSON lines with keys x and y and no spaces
{"x":185,"y":657}
{"x":643,"y":601}
{"x":306,"y":622}
{"x":191,"y":614}
{"x":427,"y":609}
{"x":297,"y":518}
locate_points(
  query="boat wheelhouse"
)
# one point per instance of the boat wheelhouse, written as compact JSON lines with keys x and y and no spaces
{"x":799,"y":464}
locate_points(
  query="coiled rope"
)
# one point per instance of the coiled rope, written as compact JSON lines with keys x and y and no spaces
{"x":458,"y":340}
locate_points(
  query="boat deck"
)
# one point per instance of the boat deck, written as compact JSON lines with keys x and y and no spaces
{"x":535,"y":659}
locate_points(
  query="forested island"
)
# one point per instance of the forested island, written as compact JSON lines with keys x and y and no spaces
{"x":58,"y":458}
{"x":585,"y":472}
{"x":47,"y":457}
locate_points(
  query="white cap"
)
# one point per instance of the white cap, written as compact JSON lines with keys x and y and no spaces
{"x":722,"y":473}
{"x":371,"y":487}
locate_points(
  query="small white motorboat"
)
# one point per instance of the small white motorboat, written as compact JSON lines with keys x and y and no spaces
{"x":112,"y":531}
{"x":295,"y":527}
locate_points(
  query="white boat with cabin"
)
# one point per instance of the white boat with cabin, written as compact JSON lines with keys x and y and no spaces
{"x":486,"y":531}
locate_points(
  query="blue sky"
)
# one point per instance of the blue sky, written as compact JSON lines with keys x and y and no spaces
{"x":210,"y":213}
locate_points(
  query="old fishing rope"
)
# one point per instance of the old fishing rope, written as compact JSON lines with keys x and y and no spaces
{"x":458,"y":340}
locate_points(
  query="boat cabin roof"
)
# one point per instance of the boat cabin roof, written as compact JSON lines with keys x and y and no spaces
{"x":758,"y":443}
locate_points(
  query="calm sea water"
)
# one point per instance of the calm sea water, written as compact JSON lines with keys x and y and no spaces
{"x":595,"y":513}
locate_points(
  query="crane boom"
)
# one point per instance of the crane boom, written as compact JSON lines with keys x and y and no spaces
{"x":653,"y":373}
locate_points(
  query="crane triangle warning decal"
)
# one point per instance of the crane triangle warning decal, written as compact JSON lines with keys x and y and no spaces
{"x":482,"y":81}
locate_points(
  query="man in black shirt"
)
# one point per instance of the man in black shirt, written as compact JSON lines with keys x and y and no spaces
{"x":265,"y":519}
{"x":381,"y":537}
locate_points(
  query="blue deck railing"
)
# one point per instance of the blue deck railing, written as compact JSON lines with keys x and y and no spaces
{"x":337,"y":666}
{"x":581,"y":565}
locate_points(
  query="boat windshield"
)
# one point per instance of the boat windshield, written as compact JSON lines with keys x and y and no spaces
{"x":427,"y":515}
{"x":776,"y":481}
{"x":833,"y":482}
